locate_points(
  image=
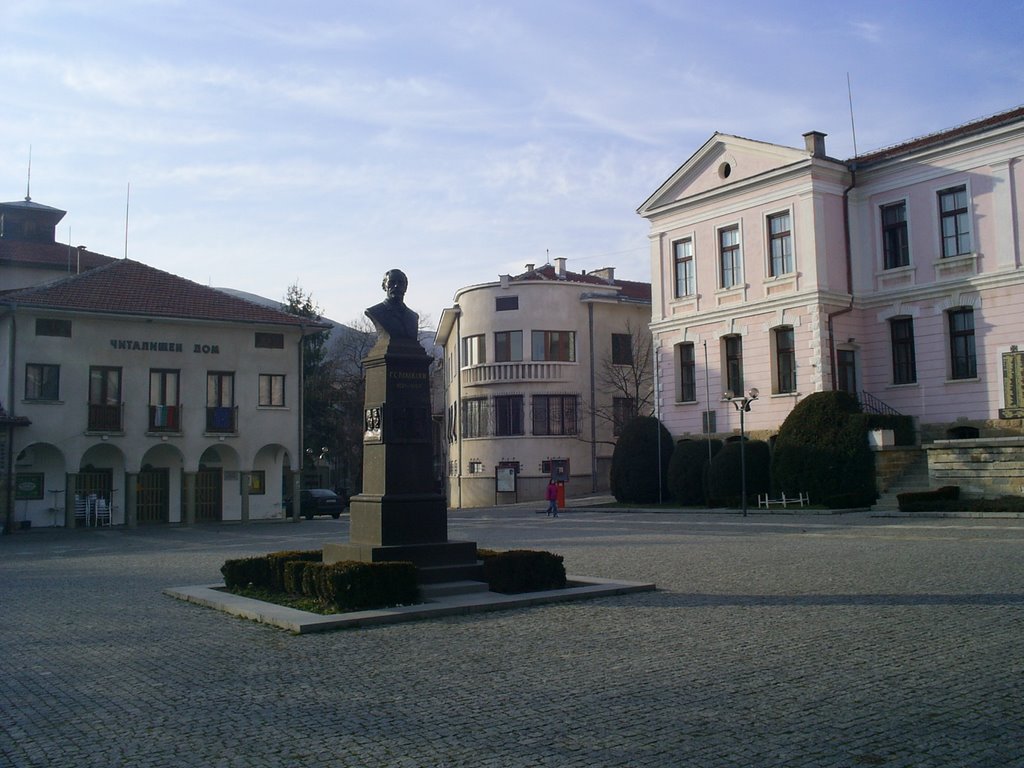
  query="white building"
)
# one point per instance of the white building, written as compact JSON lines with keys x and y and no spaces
{"x":529,"y":364}
{"x":134,"y":396}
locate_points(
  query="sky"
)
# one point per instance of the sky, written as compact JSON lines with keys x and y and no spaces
{"x":256,"y":145}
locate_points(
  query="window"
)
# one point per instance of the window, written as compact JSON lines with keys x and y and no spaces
{"x":622,"y":349}
{"x":623,"y":411}
{"x":48,"y":326}
{"x":554,"y":345}
{"x":473,"y":350}
{"x":955,"y":222}
{"x":104,"y":399}
{"x":733,"y":364}
{"x":780,"y":245}
{"x":554,"y":415}
{"x":686,"y":280}
{"x":508,"y":346}
{"x":474,"y":417}
{"x":785,"y":361}
{"x":904,"y":366}
{"x":729,"y":257}
{"x":220,"y":401}
{"x":269,"y":340}
{"x":506,"y":303}
{"x":508,"y":415}
{"x":895,"y":245}
{"x":961,"y":343}
{"x":846,"y":370}
{"x":163,"y":400}
{"x":476,"y":467}
{"x":686,"y":391}
{"x":271,"y":393}
{"x":42,"y":382}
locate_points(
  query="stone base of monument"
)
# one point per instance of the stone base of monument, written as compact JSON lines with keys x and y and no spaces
{"x":435,"y":563}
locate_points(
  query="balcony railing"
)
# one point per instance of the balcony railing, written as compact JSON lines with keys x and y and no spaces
{"x":106,"y":418}
{"x":222,"y":419}
{"x":500,"y":373}
{"x":165,"y":418}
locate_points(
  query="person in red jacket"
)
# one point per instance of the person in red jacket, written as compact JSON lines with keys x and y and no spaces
{"x":552,"y":497}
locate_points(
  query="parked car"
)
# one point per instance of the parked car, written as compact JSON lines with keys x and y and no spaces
{"x":319,"y":501}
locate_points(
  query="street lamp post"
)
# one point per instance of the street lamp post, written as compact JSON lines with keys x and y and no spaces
{"x":742,"y":404}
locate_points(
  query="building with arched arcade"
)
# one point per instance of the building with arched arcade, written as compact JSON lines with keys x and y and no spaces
{"x":131,"y":395}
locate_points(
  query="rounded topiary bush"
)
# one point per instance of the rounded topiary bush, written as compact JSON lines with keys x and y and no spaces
{"x":822,"y":450}
{"x":637,"y":475}
{"x":725,"y":475}
{"x":686,"y":471}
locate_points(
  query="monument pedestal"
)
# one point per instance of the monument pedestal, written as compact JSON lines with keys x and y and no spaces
{"x":400,"y":516}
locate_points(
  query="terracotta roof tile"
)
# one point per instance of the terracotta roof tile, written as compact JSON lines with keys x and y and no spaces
{"x":627,"y":288}
{"x":55,"y":256}
{"x":132,"y":288}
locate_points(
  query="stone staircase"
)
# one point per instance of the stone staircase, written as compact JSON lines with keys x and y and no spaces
{"x":899,"y":471}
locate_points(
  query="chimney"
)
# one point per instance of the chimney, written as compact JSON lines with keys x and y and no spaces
{"x":605,"y":273}
{"x":815,"y":143}
{"x":529,"y":267}
{"x":504,"y":280}
{"x":560,"y":266}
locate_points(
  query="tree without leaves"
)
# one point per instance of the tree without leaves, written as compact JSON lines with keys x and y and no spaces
{"x":625,"y":374}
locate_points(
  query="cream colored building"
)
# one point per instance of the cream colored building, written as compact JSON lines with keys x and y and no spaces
{"x":139,"y":396}
{"x":529,"y":365}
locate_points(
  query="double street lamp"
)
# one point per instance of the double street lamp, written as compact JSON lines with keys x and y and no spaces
{"x":742,"y":404}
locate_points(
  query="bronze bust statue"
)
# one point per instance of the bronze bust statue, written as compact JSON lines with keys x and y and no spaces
{"x":391,"y":317}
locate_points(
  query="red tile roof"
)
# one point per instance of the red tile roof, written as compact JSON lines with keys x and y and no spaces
{"x":56,"y":256}
{"x":628,"y":289}
{"x":128,"y":287}
{"x":941,"y":137}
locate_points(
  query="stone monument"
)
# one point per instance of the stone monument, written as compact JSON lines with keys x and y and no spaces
{"x":400,"y":515}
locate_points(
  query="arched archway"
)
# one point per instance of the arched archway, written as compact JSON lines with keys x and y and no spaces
{"x":156,"y":488}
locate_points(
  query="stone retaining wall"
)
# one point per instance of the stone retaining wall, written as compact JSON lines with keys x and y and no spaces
{"x":982,"y":467}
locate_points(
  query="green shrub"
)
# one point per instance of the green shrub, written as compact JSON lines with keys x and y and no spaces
{"x":246,"y":572}
{"x":520,"y":570}
{"x":901,"y":426}
{"x":822,"y":450}
{"x":278,"y":560}
{"x":922,"y":501}
{"x":356,"y":586}
{"x":725,"y":473}
{"x":293,"y":572}
{"x":637,"y":475}
{"x":686,"y":471}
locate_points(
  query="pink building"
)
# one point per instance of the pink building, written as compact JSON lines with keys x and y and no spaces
{"x":893,"y":275}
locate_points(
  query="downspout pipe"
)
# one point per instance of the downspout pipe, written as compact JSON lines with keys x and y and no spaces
{"x":457,"y":416}
{"x":593,"y":403}
{"x":9,"y":469}
{"x":301,"y":458}
{"x":849,"y":274}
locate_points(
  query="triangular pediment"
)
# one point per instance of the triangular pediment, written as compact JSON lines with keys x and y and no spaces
{"x":723,"y":161}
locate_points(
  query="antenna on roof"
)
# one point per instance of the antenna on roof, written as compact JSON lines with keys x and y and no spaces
{"x":127,"y":200}
{"x":853,"y":126}
{"x":28,"y":184}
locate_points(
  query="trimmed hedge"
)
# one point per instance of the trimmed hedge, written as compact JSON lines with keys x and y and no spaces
{"x":822,"y":450}
{"x":922,"y":501}
{"x":521,"y":570}
{"x":686,"y":471}
{"x":725,"y":487}
{"x":636,"y":474}
{"x":245,"y":572}
{"x":901,"y":426}
{"x":278,"y":560}
{"x":356,"y":586}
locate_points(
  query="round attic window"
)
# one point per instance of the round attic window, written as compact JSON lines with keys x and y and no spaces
{"x":725,"y":170}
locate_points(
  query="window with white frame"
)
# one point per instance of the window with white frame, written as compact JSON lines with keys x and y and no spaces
{"x":686,"y":367}
{"x":271,"y":390}
{"x":730,"y":261}
{"x":963,"y":358}
{"x":474,"y":350}
{"x":686,"y":276}
{"x":554,"y":345}
{"x":780,"y":245}
{"x":955,"y":221}
{"x":508,"y":346}
{"x":733,"y":348}
{"x":904,"y":358}
{"x":895,"y":243}
{"x":785,"y":360}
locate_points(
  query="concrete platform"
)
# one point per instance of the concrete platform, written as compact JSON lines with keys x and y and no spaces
{"x":438,"y":603}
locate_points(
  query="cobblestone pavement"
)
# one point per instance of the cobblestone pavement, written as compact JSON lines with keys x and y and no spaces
{"x":772,"y":641}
